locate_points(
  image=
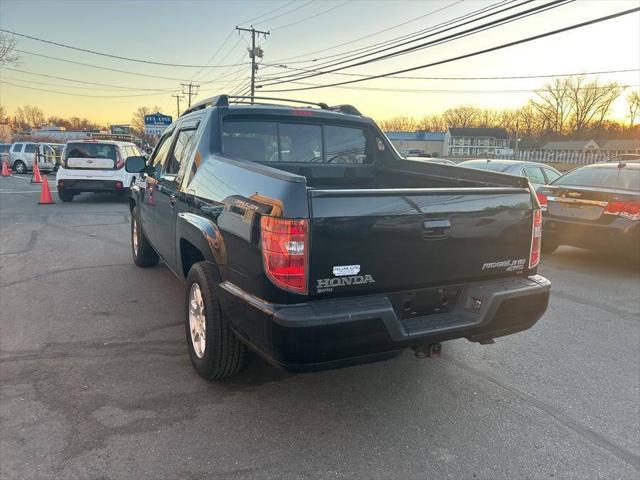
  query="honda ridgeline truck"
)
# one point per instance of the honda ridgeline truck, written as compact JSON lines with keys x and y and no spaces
{"x":303,"y":235}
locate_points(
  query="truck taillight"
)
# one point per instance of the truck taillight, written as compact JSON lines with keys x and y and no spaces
{"x":542,"y":198}
{"x":630,"y":210}
{"x":536,"y":238}
{"x":285,"y":245}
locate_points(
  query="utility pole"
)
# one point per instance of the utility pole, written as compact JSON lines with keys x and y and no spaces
{"x":178,"y":97}
{"x":192,"y":90}
{"x":253,"y":53}
{"x":517,"y":140}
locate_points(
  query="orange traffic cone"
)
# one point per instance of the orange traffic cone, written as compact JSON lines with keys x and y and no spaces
{"x":45,"y":193}
{"x":37,"y":178}
{"x":5,"y":169}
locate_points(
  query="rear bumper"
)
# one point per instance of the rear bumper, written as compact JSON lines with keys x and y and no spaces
{"x":332,"y":333}
{"x":622,"y":235}
{"x":78,"y":186}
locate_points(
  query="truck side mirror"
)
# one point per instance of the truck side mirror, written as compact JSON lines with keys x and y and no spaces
{"x":135,"y":164}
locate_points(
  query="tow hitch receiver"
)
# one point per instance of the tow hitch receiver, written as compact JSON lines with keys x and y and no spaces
{"x":428,"y":351}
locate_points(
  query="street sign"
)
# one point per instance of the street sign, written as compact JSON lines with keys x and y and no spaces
{"x":156,"y":123}
{"x":120,"y":130}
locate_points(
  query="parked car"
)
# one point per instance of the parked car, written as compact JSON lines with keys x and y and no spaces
{"x":340,"y":253}
{"x":537,"y":173}
{"x":23,"y":154}
{"x":595,"y":207}
{"x":625,"y":157}
{"x":442,"y":161}
{"x":95,"y":166}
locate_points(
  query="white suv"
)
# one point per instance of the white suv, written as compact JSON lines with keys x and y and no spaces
{"x":94,"y":166}
{"x":22,"y":155}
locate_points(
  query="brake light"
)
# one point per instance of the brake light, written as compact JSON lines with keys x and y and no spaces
{"x":285,"y":252}
{"x":542,"y":199}
{"x":630,"y":210}
{"x":119,"y":160}
{"x":536,"y":238}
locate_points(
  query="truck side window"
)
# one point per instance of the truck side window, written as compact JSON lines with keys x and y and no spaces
{"x":345,"y":145}
{"x":181,"y":150}
{"x":160,"y":153}
{"x":17,"y":148}
{"x":30,"y":148}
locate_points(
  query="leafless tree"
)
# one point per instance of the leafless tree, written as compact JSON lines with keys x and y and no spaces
{"x":8,"y":54}
{"x":137,"y":121}
{"x":27,"y":117}
{"x":633,"y":104}
{"x":432,"y":123}
{"x":399,"y":124}
{"x":554,"y":105}
{"x":461,"y":117}
{"x":590,"y":102}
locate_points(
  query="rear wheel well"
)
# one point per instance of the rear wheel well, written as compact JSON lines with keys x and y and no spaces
{"x":189,"y":254}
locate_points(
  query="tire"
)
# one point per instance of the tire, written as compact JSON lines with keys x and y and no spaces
{"x":65,"y":195}
{"x":143,"y":253}
{"x":221,"y":354}
{"x":20,"y":167}
{"x":548,"y":247}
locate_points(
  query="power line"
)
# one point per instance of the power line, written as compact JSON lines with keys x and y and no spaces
{"x":373,"y":47}
{"x":82,"y":81}
{"x":472,"y":54}
{"x":116,"y":89}
{"x":312,"y":16}
{"x":269,"y":12}
{"x":284,"y":13}
{"x":438,"y":29}
{"x":112,"y":69}
{"x":454,"y":36}
{"x":506,"y":77}
{"x":374,"y":33}
{"x":214,"y":55}
{"x":109,"y":55}
{"x":483,"y":91}
{"x":81,"y":94}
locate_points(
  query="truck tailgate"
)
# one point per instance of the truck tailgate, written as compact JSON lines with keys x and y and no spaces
{"x":363,"y":241}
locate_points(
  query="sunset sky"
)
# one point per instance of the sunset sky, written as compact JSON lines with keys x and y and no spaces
{"x":190,"y":32}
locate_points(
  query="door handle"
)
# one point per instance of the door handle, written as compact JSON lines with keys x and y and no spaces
{"x":435,"y":229}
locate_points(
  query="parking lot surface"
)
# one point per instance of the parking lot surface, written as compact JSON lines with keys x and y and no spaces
{"x":95,"y":380}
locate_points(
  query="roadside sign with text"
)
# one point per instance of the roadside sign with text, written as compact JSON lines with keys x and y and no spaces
{"x":120,"y":130}
{"x":156,"y":123}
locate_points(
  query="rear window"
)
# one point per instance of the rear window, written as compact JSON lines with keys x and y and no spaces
{"x":91,"y":150}
{"x":602,"y":177}
{"x":270,"y":142}
{"x":482,"y":165}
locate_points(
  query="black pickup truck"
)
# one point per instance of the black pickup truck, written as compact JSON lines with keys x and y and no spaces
{"x":302,"y":234}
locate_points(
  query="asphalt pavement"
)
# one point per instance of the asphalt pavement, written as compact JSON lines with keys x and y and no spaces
{"x":95,"y":381}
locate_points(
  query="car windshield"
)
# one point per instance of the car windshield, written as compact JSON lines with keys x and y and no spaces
{"x":484,"y":165}
{"x":91,"y":150}
{"x":602,"y":177}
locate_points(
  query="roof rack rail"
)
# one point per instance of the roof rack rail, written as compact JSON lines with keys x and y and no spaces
{"x":323,"y":106}
{"x":224,"y":100}
{"x":346,"y":108}
{"x":217,"y":101}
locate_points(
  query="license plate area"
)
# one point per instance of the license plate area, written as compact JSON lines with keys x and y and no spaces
{"x":426,"y":301}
